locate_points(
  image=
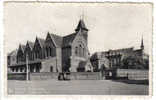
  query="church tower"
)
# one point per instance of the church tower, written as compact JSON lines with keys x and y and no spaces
{"x":81,"y":26}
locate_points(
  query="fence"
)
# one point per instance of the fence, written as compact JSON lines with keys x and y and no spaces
{"x":133,"y":74}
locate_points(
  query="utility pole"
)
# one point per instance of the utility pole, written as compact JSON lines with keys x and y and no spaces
{"x":27,"y":66}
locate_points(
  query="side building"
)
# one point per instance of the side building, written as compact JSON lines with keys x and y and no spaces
{"x":54,"y":54}
{"x":114,"y":59}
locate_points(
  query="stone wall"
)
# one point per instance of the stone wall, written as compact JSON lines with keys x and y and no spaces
{"x":44,"y":76}
{"x":133,"y":74}
{"x":48,"y":63}
{"x":75,"y":63}
{"x":85,"y":75}
{"x":16,"y":76}
{"x":59,"y":59}
{"x":72,"y":76}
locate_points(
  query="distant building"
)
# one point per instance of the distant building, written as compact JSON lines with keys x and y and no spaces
{"x":54,"y":54}
{"x":12,"y":59}
{"x":113,"y":59}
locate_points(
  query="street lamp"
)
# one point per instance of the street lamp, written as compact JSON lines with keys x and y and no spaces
{"x":27,"y":66}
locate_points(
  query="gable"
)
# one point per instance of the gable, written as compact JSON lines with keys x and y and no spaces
{"x":49,"y":41}
{"x":57,"y":40}
{"x":13,"y":53}
{"x":79,"y":38}
{"x":27,"y":48}
{"x":20,"y":51}
{"x":37,"y":45}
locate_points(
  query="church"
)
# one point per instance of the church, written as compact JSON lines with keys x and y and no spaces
{"x":53,"y":54}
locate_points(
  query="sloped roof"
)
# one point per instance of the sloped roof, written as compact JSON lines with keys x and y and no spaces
{"x":13,"y":53}
{"x":23,"y":47}
{"x":31,"y":44}
{"x":41,"y":41}
{"x":67,"y":40}
{"x":138,"y":51}
{"x":58,"y":39}
{"x":81,"y":25}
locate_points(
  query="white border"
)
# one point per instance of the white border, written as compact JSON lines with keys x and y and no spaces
{"x":77,"y":97}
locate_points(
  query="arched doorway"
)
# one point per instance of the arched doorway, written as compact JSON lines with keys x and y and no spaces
{"x":51,"y":68}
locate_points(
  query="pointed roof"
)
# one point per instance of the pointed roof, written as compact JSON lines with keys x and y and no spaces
{"x":81,"y":25}
{"x":13,"y":53}
{"x":67,"y":40}
{"x":22,"y":47}
{"x":41,"y":41}
{"x":31,"y":44}
{"x":57,"y":39}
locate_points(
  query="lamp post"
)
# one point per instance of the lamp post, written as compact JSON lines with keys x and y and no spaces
{"x":27,"y":66}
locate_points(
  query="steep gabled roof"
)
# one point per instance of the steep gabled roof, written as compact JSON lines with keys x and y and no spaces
{"x":57,"y":39}
{"x":67,"y":40}
{"x":22,"y":47}
{"x":41,"y":41}
{"x":31,"y":44}
{"x":13,"y":53}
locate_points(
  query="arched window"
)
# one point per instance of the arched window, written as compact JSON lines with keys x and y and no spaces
{"x":12,"y":69}
{"x":80,"y":50}
{"x":32,"y":56}
{"x":50,"y":51}
{"x":76,"y":51}
{"x":40,"y":54}
{"x":21,"y":69}
{"x":37,"y":54}
{"x":46,"y":52}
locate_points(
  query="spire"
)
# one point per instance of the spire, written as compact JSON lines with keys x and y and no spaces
{"x":81,"y":23}
{"x":142,"y":43}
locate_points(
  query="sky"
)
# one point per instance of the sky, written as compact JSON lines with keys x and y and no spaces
{"x":111,"y":25}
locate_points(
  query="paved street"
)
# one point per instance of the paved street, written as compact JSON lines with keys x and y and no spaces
{"x":83,"y":87}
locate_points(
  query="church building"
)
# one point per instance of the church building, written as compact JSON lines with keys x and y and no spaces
{"x":53,"y":54}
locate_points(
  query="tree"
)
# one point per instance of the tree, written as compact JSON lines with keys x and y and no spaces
{"x":134,"y":62}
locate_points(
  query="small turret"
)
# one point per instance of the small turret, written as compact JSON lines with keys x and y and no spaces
{"x":142,"y":44}
{"x":81,"y":26}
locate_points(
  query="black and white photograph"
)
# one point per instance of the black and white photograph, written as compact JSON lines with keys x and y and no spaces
{"x":78,"y":48}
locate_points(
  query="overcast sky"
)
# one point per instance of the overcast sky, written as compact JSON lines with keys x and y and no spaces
{"x":111,"y":25}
